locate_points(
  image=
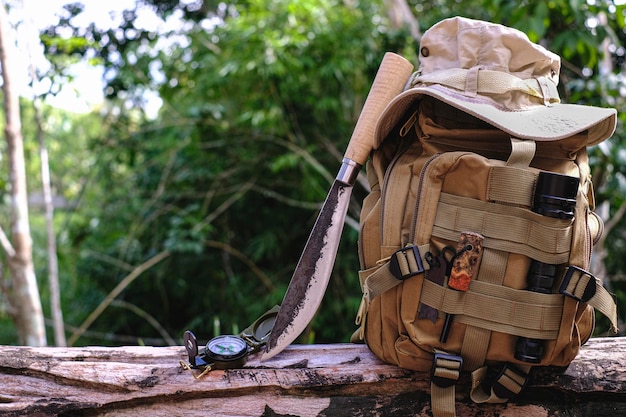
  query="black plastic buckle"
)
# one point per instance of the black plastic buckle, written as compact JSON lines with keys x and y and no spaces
{"x":394,"y":264}
{"x":590,"y":288}
{"x":515,"y":376}
{"x":447,"y":363}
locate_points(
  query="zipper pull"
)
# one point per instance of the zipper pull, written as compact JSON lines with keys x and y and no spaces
{"x":360,"y":317}
{"x":406,"y":127}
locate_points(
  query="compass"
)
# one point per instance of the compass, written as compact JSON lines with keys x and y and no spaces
{"x":228,"y":351}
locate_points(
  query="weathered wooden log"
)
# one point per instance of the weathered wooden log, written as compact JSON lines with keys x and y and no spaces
{"x":304,"y":380}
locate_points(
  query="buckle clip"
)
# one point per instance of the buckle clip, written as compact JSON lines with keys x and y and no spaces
{"x":589,"y":289}
{"x":446,"y":369}
{"x":510,"y":382}
{"x":408,"y":268}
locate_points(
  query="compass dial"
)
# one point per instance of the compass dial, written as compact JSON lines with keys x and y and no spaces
{"x":226,"y":348}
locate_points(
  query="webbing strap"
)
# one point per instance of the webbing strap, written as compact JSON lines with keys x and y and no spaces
{"x":499,"y":308}
{"x":507,"y":385}
{"x":474,"y":348}
{"x":492,"y":82}
{"x":493,"y":266}
{"x":476,"y":339}
{"x":584,"y":286}
{"x":445,"y":372}
{"x":519,"y":312}
{"x":508,"y":246}
{"x":511,"y":185}
{"x":477,"y":392}
{"x":511,"y":229}
{"x":522,"y":153}
{"x":442,"y":401}
{"x":377,"y":280}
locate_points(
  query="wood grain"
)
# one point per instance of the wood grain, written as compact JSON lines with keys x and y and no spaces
{"x":304,"y":380}
{"x":392,"y":76}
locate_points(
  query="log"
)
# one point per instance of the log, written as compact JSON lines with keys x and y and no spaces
{"x":304,"y":380}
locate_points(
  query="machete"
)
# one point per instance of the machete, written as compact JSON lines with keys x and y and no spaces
{"x":312,"y":274}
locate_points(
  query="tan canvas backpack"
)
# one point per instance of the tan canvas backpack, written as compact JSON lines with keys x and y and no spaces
{"x":476,"y":238}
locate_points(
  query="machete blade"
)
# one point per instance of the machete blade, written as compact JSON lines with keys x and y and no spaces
{"x":312,"y":274}
{"x":310,"y":279}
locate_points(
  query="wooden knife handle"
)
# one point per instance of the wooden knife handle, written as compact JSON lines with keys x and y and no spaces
{"x":391,"y":78}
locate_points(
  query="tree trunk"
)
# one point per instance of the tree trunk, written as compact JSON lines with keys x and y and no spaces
{"x":24,"y":294}
{"x":53,"y":264}
{"x":400,"y":15}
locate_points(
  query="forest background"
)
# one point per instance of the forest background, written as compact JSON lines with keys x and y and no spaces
{"x":193,"y":217}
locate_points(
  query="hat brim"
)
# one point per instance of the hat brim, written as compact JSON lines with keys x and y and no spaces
{"x":541,"y":123}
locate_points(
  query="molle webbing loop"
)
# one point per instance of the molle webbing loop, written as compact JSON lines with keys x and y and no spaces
{"x":522,"y":153}
{"x":497,"y":308}
{"x":476,"y":339}
{"x":506,"y":228}
{"x":511,"y":186}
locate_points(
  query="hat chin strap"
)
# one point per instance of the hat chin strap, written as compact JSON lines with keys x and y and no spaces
{"x":475,"y":81}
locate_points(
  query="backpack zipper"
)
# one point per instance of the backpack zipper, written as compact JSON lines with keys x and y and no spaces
{"x":420,"y":186}
{"x":404,"y":130}
{"x":383,"y":190}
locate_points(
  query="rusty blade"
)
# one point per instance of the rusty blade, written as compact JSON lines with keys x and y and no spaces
{"x":312,"y":274}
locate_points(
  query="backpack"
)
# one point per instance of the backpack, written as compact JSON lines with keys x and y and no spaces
{"x":476,"y":236}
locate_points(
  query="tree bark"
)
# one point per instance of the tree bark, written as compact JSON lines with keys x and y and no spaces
{"x":53,"y":263}
{"x":400,"y":15}
{"x":24,"y":294}
{"x":306,"y":380}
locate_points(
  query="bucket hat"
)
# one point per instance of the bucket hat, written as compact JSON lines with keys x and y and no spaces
{"x":498,"y":75}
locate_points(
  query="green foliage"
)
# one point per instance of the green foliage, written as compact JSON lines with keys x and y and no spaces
{"x":259,"y":101}
{"x":256,"y":113}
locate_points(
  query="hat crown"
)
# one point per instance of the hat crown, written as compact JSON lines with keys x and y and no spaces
{"x":496,"y":74}
{"x":468,"y":44}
